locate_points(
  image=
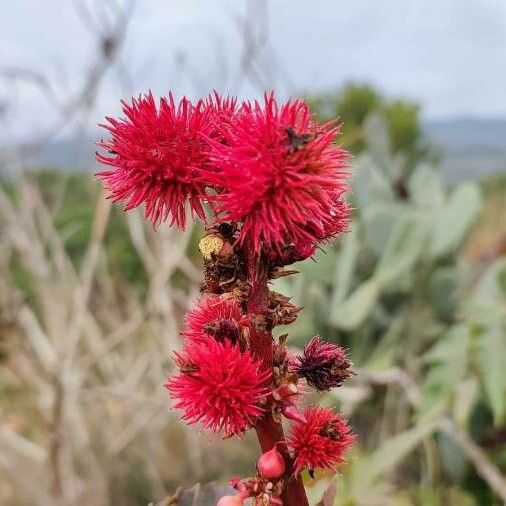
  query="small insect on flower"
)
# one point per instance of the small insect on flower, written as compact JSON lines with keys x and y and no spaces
{"x":215,"y":318}
{"x":324,"y":365}
{"x":320,"y":441}
{"x":159,"y":157}
{"x":219,"y":386}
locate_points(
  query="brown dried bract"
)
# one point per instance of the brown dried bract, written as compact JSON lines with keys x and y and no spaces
{"x":281,"y":310}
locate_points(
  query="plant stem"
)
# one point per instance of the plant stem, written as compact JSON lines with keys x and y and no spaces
{"x":268,"y":431}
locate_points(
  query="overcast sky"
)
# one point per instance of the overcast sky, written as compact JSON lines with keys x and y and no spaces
{"x":450,"y":55}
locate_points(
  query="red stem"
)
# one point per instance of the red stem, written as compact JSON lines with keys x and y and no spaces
{"x":268,"y":431}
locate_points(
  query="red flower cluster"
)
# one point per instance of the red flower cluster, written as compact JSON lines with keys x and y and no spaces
{"x":274,"y":184}
{"x":266,"y":166}
{"x":320,"y":441}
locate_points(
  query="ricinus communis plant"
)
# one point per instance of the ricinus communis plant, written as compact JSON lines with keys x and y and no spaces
{"x":270,"y":184}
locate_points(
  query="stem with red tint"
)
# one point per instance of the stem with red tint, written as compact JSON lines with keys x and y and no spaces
{"x":268,"y":431}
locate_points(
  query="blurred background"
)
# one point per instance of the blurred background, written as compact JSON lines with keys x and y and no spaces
{"x":91,"y":299}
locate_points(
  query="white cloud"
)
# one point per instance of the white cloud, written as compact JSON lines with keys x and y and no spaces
{"x":448,"y":54}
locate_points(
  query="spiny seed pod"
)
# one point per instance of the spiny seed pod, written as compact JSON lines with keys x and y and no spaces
{"x":230,"y":500}
{"x":271,"y":464}
{"x":324,"y":365}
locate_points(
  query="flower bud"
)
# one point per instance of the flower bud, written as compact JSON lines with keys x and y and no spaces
{"x":230,"y":500}
{"x":271,"y":464}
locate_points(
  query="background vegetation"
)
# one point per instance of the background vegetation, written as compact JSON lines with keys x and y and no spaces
{"x":91,"y":302}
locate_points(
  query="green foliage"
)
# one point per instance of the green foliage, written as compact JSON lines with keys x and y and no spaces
{"x":403,"y":122}
{"x":356,"y":102}
{"x":398,"y":295}
{"x":396,"y":292}
{"x":352,"y":105}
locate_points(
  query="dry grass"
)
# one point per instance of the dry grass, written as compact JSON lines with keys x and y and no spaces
{"x":84,"y":418}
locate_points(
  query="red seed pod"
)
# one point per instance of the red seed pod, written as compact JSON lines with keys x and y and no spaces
{"x":230,"y":500}
{"x":271,"y":464}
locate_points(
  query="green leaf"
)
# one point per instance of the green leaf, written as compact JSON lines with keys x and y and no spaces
{"x":426,"y":188}
{"x":453,"y":459}
{"x":449,"y":366}
{"x":345,"y":267}
{"x":492,"y":356}
{"x":466,"y":395}
{"x":383,"y":355}
{"x":378,"y":220}
{"x":490,"y":289}
{"x":351,"y":312}
{"x":369,"y":184}
{"x":389,"y":455}
{"x":320,"y":268}
{"x":487,"y":304}
{"x":442,"y":292}
{"x":453,"y":221}
{"x":404,"y":247}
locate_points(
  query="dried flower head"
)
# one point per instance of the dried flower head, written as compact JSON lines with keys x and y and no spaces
{"x":159,"y":157}
{"x":320,"y":441}
{"x":281,"y":175}
{"x":324,"y":365}
{"x":214,"y":318}
{"x":219,"y":386}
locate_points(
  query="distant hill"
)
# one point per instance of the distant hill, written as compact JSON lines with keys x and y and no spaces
{"x":470,"y":148}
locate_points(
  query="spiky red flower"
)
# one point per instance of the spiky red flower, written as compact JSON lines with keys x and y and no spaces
{"x":223,"y":111}
{"x":324,"y":365}
{"x":214,"y":318}
{"x":281,"y":175}
{"x":159,"y":157}
{"x":219,"y":386}
{"x":320,"y":441}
